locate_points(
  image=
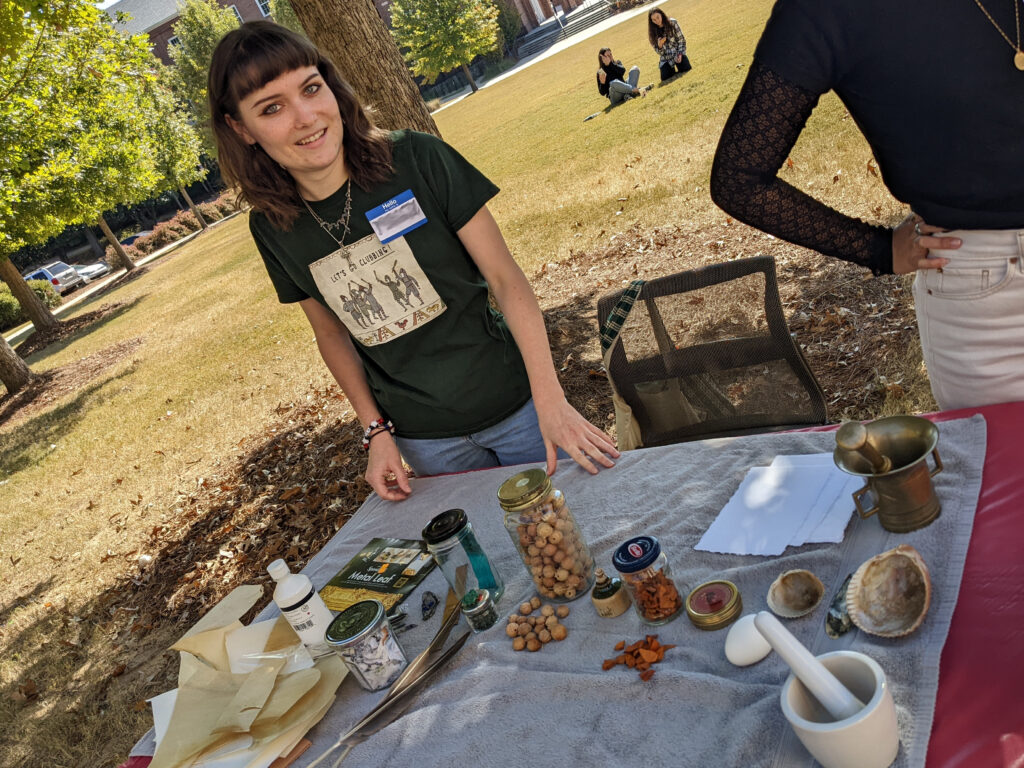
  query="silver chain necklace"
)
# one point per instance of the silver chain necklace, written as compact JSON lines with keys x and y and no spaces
{"x":341,"y":223}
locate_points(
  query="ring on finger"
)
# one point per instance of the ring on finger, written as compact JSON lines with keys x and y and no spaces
{"x":917,"y":229}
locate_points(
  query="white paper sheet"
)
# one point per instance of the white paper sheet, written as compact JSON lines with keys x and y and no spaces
{"x":795,"y":500}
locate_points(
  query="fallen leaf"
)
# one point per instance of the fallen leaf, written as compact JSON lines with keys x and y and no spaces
{"x":118,"y":670}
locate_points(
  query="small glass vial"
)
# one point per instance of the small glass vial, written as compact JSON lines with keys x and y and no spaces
{"x":609,"y":597}
{"x":451,"y":541}
{"x":362,"y":636}
{"x":479,"y":610}
{"x":546,"y":536}
{"x":648,"y":577}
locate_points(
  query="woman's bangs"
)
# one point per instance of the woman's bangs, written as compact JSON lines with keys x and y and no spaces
{"x":258,"y":61}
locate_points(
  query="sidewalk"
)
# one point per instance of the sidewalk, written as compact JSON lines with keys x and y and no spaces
{"x":561,"y":45}
{"x":21,"y":332}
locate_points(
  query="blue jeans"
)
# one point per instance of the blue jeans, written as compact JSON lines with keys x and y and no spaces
{"x":619,"y":91}
{"x":515,"y":440}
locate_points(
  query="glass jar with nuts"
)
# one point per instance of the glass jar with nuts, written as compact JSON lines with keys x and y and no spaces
{"x":647,"y":575}
{"x":546,"y":536}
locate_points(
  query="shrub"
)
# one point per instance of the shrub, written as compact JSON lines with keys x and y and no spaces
{"x":10,"y":310}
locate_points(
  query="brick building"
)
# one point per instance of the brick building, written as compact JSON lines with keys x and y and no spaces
{"x":157,"y":17}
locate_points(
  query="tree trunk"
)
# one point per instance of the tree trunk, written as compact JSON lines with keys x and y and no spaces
{"x":13,"y":371}
{"x":122,"y":257}
{"x":469,"y":77}
{"x":40,"y":315}
{"x":352,"y":33}
{"x":96,"y":247}
{"x":195,"y":210}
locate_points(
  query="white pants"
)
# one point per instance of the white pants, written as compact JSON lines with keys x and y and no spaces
{"x":971,"y":318}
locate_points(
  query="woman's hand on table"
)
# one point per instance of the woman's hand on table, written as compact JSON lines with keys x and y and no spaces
{"x":384,"y":470}
{"x":562,"y":426}
{"x":913,"y":240}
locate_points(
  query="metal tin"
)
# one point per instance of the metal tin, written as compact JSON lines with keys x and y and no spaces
{"x":714,"y":604}
{"x":362,"y":636}
{"x":478,"y":608}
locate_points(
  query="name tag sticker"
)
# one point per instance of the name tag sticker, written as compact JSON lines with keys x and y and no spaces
{"x":397,"y":216}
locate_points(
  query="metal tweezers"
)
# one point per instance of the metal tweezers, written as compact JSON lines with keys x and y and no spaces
{"x":401,"y":692}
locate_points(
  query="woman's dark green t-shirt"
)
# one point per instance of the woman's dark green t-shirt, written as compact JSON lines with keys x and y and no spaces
{"x":439,"y":360}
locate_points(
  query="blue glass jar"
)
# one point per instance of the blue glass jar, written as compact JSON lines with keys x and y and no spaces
{"x":453,"y":545}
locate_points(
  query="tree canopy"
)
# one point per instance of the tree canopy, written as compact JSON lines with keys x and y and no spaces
{"x":74,"y":128}
{"x":18,"y":18}
{"x":200,"y":26}
{"x":440,"y":35}
{"x":283,"y":13}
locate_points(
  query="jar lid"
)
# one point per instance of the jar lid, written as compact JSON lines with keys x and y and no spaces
{"x":445,"y":525}
{"x":354,"y":623}
{"x":636,"y":554}
{"x":714,"y":604}
{"x":476,"y":601}
{"x":524,"y":488}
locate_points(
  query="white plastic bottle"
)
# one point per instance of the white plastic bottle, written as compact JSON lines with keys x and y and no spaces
{"x":302,"y":607}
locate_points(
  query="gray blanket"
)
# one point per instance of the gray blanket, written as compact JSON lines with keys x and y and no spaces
{"x":496,"y":707}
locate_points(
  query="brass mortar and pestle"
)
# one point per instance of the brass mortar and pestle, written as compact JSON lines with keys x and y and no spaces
{"x":892,"y":454}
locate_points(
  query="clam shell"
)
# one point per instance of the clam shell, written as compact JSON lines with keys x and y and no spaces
{"x":795,"y":593}
{"x":889,"y":595}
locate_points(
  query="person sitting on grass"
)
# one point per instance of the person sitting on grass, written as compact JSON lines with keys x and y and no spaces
{"x":610,"y":83}
{"x":668,"y":42}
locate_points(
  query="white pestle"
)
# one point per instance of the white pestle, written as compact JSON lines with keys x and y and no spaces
{"x":824,"y":686}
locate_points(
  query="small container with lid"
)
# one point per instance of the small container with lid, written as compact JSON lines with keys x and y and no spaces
{"x":479,"y":610}
{"x":546,"y":536}
{"x":609,"y":596}
{"x":714,"y":604}
{"x":451,"y":541}
{"x":362,"y":636}
{"x":648,"y":577}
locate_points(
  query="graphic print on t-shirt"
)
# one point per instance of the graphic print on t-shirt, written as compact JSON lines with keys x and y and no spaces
{"x":377,"y":290}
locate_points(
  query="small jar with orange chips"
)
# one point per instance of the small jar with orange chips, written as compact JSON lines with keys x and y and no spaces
{"x":646,"y":573}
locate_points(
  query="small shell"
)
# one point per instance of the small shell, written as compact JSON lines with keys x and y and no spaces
{"x":795,"y":593}
{"x":889,"y":595}
{"x":837,"y":621}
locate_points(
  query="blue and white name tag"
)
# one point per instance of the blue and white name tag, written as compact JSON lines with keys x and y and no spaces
{"x":397,"y":216}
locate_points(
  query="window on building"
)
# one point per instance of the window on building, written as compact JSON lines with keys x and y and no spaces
{"x":240,"y":19}
{"x":264,"y":6}
{"x":173,"y":40}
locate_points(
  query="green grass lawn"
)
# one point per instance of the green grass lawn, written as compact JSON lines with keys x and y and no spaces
{"x":214,"y":353}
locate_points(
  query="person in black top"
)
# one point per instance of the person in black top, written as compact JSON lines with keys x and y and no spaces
{"x":947,"y":135}
{"x":610,"y":82}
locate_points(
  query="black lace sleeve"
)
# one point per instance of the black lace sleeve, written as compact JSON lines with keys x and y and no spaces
{"x":764,"y":125}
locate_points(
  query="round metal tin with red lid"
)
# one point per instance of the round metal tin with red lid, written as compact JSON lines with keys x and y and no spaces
{"x":714,"y":604}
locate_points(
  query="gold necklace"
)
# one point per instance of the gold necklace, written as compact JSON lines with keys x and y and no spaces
{"x":1018,"y":56}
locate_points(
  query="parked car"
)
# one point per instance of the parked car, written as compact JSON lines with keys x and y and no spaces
{"x":62,"y":276}
{"x":132,"y":238}
{"x":90,"y":272}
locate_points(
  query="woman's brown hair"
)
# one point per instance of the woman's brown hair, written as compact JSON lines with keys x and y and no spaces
{"x":245,"y":60}
{"x":666,"y":29}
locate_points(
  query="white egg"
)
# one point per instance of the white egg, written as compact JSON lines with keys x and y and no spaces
{"x":745,"y":645}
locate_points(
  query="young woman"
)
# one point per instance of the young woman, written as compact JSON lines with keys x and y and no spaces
{"x":668,"y":42}
{"x":948,"y":136}
{"x":447,"y":383}
{"x":610,"y":83}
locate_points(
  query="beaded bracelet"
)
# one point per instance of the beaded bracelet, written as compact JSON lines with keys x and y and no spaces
{"x":376,"y":427}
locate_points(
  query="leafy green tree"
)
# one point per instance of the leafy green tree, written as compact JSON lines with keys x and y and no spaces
{"x":440,"y":35}
{"x":200,"y":26}
{"x":283,"y":13}
{"x":510,"y":24}
{"x":75,"y":140}
{"x":177,"y":143}
{"x":19,"y":17}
